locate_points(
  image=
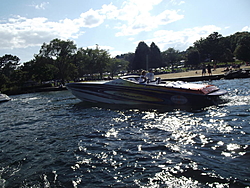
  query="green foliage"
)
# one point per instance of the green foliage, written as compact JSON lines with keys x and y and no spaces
{"x":171,"y":56}
{"x":155,"y":57}
{"x":8,"y":64}
{"x":147,"y":57}
{"x":60,"y":53}
{"x":3,"y":81}
{"x":90,"y":61}
{"x":85,"y":61}
{"x":129,"y":57}
{"x":141,"y":56}
{"x":222,"y":49}
{"x":102,"y":60}
{"x":43,"y":69}
{"x":115,"y":65}
{"x":242,"y":50}
{"x":193,"y":57}
{"x":210,"y":48}
{"x":236,"y":39}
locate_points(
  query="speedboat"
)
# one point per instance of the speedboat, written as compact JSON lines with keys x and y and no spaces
{"x":128,"y":90}
{"x":4,"y":97}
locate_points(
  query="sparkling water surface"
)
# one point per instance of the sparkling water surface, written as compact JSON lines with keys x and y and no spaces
{"x":54,"y":140}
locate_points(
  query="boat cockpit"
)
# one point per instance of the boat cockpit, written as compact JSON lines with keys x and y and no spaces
{"x":136,"y":78}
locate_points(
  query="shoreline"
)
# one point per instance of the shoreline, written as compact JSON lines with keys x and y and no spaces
{"x":196,"y":75}
{"x":189,"y":76}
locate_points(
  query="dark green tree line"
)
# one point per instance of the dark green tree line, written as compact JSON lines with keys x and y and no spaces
{"x":59,"y":54}
{"x":242,"y":50}
{"x":58,"y":60}
{"x":214,"y":48}
{"x":171,"y":57}
{"x":8,"y":70}
{"x":146,"y":57}
{"x":222,"y":49}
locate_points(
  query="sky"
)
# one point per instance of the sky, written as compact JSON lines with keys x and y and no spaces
{"x":116,"y":25}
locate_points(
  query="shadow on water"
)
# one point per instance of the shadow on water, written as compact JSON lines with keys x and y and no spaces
{"x":158,"y":108}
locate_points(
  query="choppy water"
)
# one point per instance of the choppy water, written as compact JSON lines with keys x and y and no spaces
{"x":54,"y":140}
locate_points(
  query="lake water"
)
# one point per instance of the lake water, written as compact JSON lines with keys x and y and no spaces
{"x":54,"y":140}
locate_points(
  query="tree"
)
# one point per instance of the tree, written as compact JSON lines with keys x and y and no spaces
{"x":61,"y":53}
{"x":85,"y":62}
{"x":141,"y":56}
{"x":200,"y":46}
{"x":127,"y":57}
{"x":155,"y":58}
{"x":236,"y":39}
{"x":214,"y":46}
{"x":18,"y":77}
{"x":80,"y":61}
{"x":242,"y":51}
{"x":210,"y":48}
{"x":227,"y":56}
{"x":8,"y":64}
{"x":171,"y":56}
{"x":193,"y":57}
{"x":44,"y":69}
{"x":28,"y":69}
{"x":116,"y":65}
{"x":90,"y":61}
{"x":3,"y":81}
{"x":101,"y":61}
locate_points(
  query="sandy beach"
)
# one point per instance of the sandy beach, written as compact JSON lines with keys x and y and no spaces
{"x":194,"y":73}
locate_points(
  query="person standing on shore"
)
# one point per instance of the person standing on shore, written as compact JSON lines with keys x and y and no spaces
{"x":203,"y":70}
{"x":209,"y":70}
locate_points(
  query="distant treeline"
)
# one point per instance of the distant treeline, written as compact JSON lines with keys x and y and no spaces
{"x":214,"y":48}
{"x":61,"y":60}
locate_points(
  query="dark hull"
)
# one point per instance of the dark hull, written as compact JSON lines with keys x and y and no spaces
{"x":1,"y":101}
{"x":141,"y":95}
